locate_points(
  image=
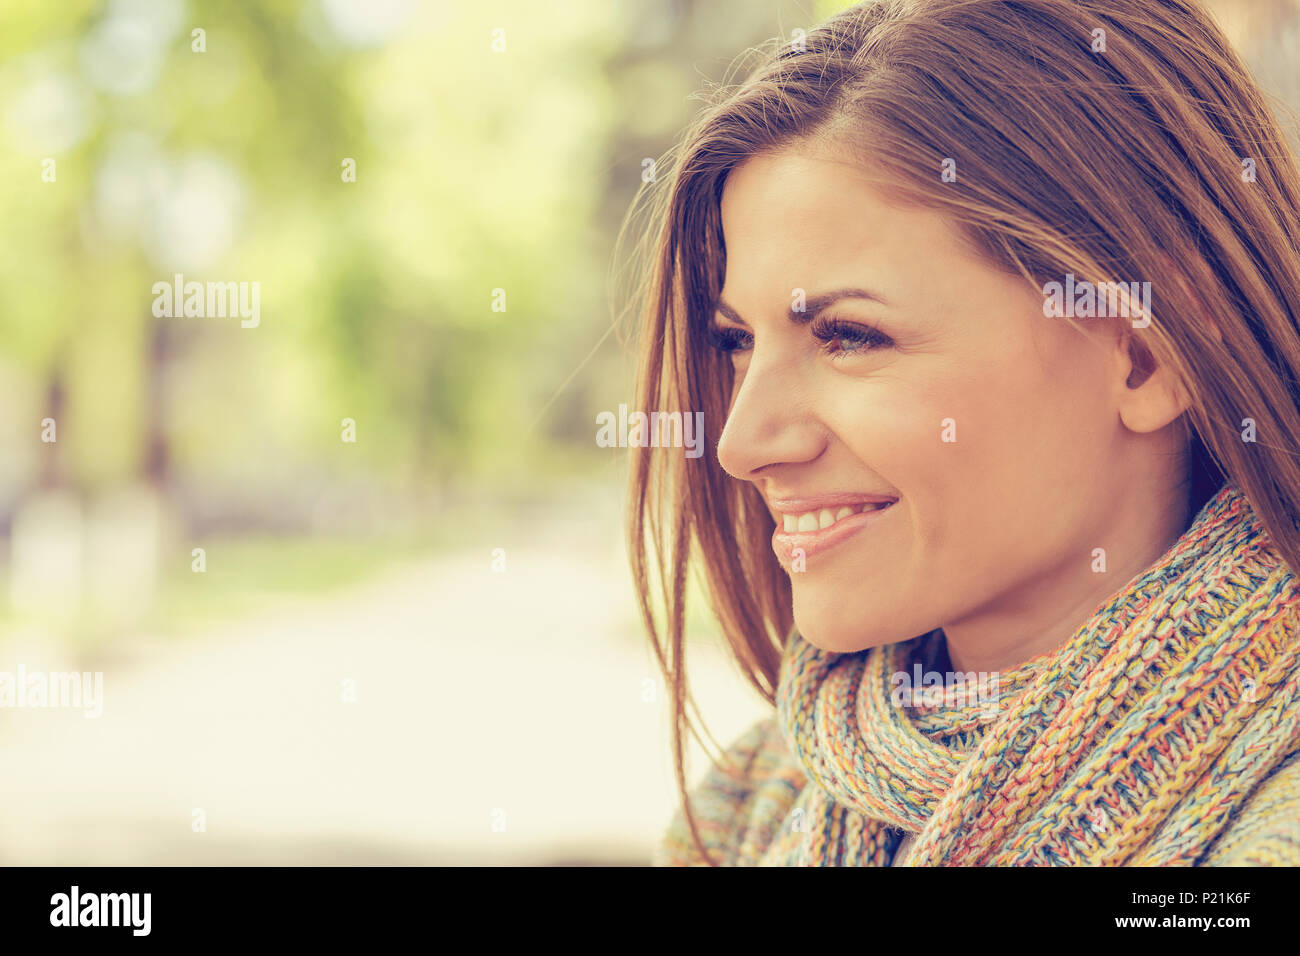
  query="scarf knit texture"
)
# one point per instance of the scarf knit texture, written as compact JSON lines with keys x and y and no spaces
{"x":1164,"y":732}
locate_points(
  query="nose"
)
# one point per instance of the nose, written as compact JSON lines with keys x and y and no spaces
{"x":771,"y":421}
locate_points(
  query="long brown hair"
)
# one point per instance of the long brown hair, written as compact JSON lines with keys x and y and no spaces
{"x":1111,"y":139}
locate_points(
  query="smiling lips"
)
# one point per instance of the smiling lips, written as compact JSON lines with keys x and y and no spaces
{"x":811,"y":525}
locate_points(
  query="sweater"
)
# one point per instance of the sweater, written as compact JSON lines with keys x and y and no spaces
{"x":1164,"y":732}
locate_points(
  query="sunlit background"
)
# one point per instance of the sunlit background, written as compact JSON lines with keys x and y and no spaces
{"x":354,"y":575}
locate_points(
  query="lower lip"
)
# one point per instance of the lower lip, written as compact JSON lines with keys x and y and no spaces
{"x":814,"y":542}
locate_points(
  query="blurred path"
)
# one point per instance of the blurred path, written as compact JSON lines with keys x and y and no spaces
{"x":481,"y":697}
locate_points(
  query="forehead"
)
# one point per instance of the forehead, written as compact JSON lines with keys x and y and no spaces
{"x":804,"y":219}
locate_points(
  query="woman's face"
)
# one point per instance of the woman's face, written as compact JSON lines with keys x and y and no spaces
{"x":993,"y":430}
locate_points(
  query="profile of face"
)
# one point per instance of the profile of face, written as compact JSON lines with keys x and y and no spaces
{"x":935,"y":452}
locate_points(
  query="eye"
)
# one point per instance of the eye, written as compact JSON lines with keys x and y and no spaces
{"x":841,"y":338}
{"x":729,"y":339}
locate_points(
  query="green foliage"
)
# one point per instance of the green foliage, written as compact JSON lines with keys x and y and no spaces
{"x":476,"y":170}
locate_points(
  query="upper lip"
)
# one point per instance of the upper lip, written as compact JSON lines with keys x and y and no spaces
{"x":798,"y":506}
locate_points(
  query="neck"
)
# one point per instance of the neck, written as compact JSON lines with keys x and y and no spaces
{"x":1043,"y":612}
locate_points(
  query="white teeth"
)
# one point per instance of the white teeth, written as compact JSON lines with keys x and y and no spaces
{"x":820,"y":520}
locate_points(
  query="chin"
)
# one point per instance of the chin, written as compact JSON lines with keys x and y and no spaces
{"x":836,"y":635}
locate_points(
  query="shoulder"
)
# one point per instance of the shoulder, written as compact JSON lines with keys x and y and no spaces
{"x":740,"y":803}
{"x":1267,"y":831}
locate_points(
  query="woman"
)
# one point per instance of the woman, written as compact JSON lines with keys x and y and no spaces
{"x":995,"y":303}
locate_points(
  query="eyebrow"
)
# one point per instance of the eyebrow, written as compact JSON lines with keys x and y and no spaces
{"x":813,"y":305}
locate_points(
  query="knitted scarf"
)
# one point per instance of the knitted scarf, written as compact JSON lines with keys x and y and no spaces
{"x":1132,"y":744}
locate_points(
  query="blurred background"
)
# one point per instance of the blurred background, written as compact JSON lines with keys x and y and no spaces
{"x":354,"y":576}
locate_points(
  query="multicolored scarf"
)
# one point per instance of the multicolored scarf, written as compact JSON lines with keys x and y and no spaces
{"x":1140,"y":741}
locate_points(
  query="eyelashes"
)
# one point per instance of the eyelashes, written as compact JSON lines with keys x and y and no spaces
{"x":838,"y":337}
{"x":860,"y":338}
{"x":729,"y":339}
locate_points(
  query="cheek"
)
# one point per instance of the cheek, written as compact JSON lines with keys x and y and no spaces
{"x":1029,"y":434}
{"x":1027,"y":412}
{"x":958,"y":440}
{"x":918,"y":432}
{"x":985,"y":442}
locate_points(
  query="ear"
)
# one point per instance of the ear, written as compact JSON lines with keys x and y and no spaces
{"x":1151,"y":397}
